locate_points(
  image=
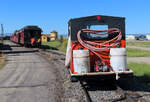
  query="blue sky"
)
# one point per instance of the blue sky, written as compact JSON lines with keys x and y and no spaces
{"x":55,"y":14}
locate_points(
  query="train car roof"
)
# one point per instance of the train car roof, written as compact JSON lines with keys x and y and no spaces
{"x":94,"y":17}
{"x":77,"y":24}
{"x":31,"y":28}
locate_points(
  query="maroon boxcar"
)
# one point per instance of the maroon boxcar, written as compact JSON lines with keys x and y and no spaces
{"x":28,"y":36}
{"x":15,"y":37}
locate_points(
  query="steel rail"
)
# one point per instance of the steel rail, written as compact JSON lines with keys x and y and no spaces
{"x":88,"y":98}
{"x":127,"y":97}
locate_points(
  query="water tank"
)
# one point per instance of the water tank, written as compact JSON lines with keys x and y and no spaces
{"x":81,"y":61}
{"x":118,"y":59}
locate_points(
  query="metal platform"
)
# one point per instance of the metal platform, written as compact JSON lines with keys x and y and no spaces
{"x":105,"y":75}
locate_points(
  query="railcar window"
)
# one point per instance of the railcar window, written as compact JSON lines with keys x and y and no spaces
{"x":28,"y":34}
{"x":31,"y":34}
{"x":97,"y":27}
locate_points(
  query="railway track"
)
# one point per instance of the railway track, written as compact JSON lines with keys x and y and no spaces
{"x":123,"y":95}
{"x":119,"y":93}
{"x":51,"y":53}
{"x":96,"y":93}
{"x":88,"y":97}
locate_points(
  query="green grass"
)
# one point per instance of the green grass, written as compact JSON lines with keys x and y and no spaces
{"x":141,"y":71}
{"x":2,"y":61}
{"x":55,"y":43}
{"x":61,"y":46}
{"x":137,"y":53}
{"x":140,"y":44}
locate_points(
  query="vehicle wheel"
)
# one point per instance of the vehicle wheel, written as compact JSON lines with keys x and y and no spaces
{"x":25,"y":45}
{"x":73,"y":79}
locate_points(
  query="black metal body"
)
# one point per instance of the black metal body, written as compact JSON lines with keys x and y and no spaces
{"x":29,"y":33}
{"x":77,"y":24}
{"x":26,"y":35}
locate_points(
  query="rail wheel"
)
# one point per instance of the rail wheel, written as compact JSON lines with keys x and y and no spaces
{"x":73,"y":79}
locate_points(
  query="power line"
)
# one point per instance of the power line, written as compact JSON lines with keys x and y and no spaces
{"x":2,"y":33}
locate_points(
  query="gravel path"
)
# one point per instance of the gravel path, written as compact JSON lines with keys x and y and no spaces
{"x":139,"y":59}
{"x":140,"y":48}
{"x":27,"y":77}
{"x":41,"y":77}
{"x":73,"y":92}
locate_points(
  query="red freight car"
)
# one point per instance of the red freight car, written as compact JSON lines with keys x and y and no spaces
{"x":28,"y":36}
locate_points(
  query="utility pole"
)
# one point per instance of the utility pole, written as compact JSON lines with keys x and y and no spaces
{"x":2,"y":33}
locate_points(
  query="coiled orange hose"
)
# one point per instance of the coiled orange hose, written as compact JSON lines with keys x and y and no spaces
{"x":91,"y":45}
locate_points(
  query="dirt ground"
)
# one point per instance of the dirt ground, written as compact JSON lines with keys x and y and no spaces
{"x":137,"y":47}
{"x":139,"y":59}
{"x":145,"y":60}
{"x":28,"y":77}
